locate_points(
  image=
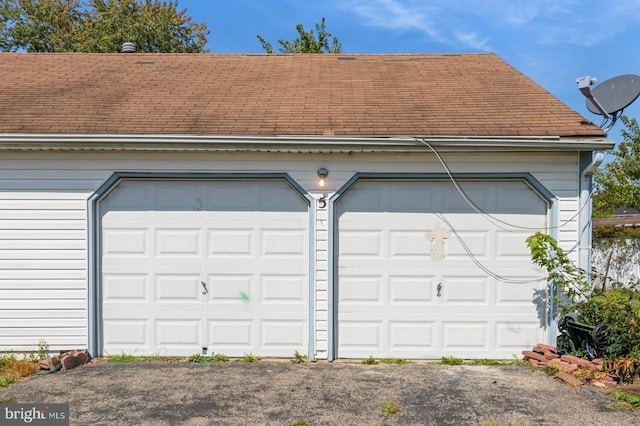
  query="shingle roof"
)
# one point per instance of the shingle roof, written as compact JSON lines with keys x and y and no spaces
{"x":345,"y":95}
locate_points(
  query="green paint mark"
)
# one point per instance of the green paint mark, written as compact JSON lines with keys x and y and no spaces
{"x":244,"y":297}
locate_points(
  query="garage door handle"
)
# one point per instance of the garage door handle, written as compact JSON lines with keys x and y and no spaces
{"x":439,"y":290}
{"x":204,"y":285}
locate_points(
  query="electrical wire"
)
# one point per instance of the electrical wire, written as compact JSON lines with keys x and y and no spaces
{"x":492,"y":219}
{"x":479,"y":264}
{"x":496,"y":222}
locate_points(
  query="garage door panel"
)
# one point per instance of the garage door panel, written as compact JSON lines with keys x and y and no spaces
{"x":125,"y":333}
{"x":283,"y":289}
{"x":126,"y":242}
{"x":361,"y":290}
{"x":360,"y":335}
{"x":231,"y":242}
{"x":282,"y":334}
{"x":409,"y":243}
{"x":466,"y":291}
{"x":472,"y":335}
{"x":412,"y":290}
{"x":414,"y":336}
{"x":125,"y":287}
{"x":361,"y":243}
{"x":178,"y":333}
{"x":395,"y":279}
{"x":512,"y":336}
{"x":177,"y":288}
{"x":247,"y":241}
{"x":178,"y":242}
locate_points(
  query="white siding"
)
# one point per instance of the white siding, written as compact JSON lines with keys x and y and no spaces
{"x":43,"y":225}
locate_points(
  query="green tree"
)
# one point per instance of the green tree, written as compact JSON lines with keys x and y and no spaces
{"x":306,"y":42}
{"x":618,"y":182}
{"x":98,"y":26}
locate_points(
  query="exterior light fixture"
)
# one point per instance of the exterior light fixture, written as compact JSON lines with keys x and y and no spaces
{"x":322,"y":174}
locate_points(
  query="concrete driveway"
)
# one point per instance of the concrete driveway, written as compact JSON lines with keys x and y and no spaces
{"x":279,"y":393}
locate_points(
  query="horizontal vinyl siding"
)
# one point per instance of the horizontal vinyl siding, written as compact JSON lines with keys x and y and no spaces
{"x":43,"y":228}
{"x":42,"y":263}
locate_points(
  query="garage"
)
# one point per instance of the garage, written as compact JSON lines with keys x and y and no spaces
{"x":423,"y":273}
{"x":204,"y":266}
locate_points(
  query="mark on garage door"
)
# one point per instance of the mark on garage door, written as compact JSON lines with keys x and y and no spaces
{"x":216,"y":264}
{"x":398,"y":294}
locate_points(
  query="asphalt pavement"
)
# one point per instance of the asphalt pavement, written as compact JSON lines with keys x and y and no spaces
{"x":281,"y":393}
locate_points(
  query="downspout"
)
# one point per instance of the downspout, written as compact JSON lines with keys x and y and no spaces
{"x":584,"y":221}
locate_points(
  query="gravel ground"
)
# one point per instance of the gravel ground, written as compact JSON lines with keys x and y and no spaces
{"x":279,"y":393}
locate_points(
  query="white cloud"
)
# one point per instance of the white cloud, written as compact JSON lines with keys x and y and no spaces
{"x":394,"y":14}
{"x":474,"y":41}
{"x":472,"y":23}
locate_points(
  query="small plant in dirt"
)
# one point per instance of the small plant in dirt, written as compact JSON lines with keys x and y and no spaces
{"x":6,"y":381}
{"x":370,"y":361}
{"x":299,"y":422}
{"x":450,"y":360}
{"x":8,"y":400}
{"x":399,"y":361}
{"x":516,"y":360}
{"x":550,"y":371}
{"x":298,"y":358}
{"x":250,"y":358}
{"x":488,"y":362}
{"x":387,"y":410}
{"x":626,"y":401}
{"x":121,"y":358}
{"x":218,"y":358}
{"x":43,"y":349}
{"x":197,"y":358}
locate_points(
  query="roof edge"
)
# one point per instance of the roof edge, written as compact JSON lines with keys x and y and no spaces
{"x":319,"y":143}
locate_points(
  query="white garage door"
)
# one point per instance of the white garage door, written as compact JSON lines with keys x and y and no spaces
{"x":407,"y":287}
{"x":222,"y":265}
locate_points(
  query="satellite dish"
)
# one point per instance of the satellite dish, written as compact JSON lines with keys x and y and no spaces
{"x":615,"y":94}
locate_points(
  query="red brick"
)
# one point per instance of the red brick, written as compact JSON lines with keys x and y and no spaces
{"x":575,"y":360}
{"x":569,"y":379}
{"x":548,"y":348}
{"x":551,"y":355}
{"x":534,"y":355}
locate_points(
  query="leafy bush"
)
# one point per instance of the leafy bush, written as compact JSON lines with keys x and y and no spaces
{"x":617,"y":307}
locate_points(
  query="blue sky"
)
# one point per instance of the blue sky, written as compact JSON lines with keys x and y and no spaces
{"x":551,"y":41}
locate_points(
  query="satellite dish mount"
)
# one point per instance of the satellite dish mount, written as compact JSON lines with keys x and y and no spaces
{"x":610,"y":97}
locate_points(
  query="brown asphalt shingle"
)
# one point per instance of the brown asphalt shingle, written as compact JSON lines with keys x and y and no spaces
{"x":345,"y":95}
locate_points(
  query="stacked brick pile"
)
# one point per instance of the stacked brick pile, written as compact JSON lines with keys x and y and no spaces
{"x":572,"y":370}
{"x":69,"y":360}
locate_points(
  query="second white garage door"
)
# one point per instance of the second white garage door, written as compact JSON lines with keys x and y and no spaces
{"x":408,"y":284}
{"x":222,"y":265}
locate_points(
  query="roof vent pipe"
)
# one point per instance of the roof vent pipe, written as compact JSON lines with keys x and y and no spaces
{"x":128,"y":47}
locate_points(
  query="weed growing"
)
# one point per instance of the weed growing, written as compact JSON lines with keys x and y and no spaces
{"x":387,"y":410}
{"x":626,"y":401}
{"x":450,"y":360}
{"x":399,"y":361}
{"x":250,"y":358}
{"x":121,"y":358}
{"x":298,"y":358}
{"x":12,"y":368}
{"x":218,"y":358}
{"x":370,"y":361}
